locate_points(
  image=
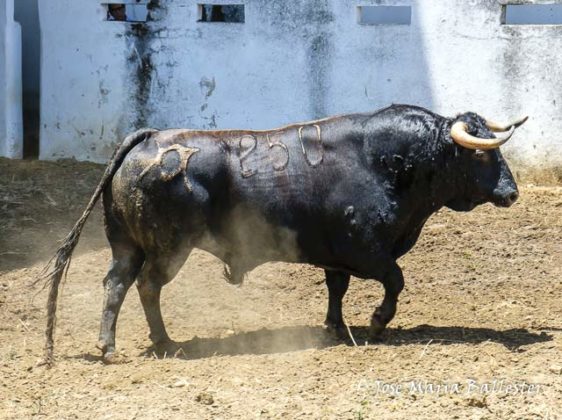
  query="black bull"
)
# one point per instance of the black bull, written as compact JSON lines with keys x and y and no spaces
{"x":349,"y":194}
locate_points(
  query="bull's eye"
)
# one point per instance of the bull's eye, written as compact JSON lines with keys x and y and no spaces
{"x":481,"y":155}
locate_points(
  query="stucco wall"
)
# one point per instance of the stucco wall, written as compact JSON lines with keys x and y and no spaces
{"x":11,"y":128}
{"x":2,"y":80}
{"x":289,"y":61}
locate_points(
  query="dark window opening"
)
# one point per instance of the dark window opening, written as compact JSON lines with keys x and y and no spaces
{"x":384,"y":15}
{"x":123,"y":12}
{"x":230,"y":13}
{"x":532,"y":14}
{"x":27,"y":14}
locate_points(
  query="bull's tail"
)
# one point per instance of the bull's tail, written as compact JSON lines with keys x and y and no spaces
{"x":53,"y":272}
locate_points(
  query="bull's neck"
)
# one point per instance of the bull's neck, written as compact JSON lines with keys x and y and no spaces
{"x":424,"y":181}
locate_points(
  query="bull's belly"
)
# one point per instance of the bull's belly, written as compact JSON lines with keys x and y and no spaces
{"x":246,"y":243}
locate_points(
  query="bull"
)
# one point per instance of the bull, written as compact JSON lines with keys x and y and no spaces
{"x":349,"y":194}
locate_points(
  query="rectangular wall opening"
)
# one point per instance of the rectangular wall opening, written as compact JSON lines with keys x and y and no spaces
{"x":125,"y":12}
{"x":532,"y":14}
{"x":229,"y":13}
{"x":27,"y":14}
{"x":384,"y":15}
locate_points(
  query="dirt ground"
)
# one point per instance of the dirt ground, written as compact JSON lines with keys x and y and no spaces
{"x":478,"y":332}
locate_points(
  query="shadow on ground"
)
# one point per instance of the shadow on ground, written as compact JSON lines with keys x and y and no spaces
{"x":287,"y":339}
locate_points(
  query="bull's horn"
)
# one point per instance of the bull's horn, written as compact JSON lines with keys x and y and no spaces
{"x":460,"y":136}
{"x":496,"y":126}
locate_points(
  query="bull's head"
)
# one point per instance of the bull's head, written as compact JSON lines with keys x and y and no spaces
{"x":483,"y":173}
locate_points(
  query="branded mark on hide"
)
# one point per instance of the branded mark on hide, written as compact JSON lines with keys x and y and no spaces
{"x":310,"y":146}
{"x":172,"y":161}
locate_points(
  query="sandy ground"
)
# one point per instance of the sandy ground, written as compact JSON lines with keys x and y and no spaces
{"x":478,"y":332}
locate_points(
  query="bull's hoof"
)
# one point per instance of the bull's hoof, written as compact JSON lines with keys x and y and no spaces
{"x":112,"y":358}
{"x":338,"y":331}
{"x":108,"y":354}
{"x":165,"y":348}
{"x":101,"y":345}
{"x":377,"y":327}
{"x":109,"y":358}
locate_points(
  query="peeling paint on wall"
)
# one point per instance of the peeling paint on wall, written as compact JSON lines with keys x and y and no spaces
{"x":141,"y":71}
{"x":140,"y":38}
{"x":319,"y":68}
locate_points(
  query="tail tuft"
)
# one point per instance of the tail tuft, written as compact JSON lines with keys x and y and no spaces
{"x":53,"y":278}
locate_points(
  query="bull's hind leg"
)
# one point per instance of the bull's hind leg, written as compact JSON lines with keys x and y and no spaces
{"x":156,"y":272}
{"x":126,"y":263}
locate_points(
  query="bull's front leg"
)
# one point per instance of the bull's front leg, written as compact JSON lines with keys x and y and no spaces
{"x":393,"y":282}
{"x":337,"y":283}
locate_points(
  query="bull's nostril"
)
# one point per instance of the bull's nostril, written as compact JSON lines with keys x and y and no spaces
{"x":513,"y":197}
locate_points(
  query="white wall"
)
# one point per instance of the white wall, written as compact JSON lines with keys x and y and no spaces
{"x":11,"y":128}
{"x":290,"y":61}
{"x":2,"y":80}
{"x":84,"y":102}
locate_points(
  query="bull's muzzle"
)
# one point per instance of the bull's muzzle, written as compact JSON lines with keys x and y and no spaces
{"x":506,"y":199}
